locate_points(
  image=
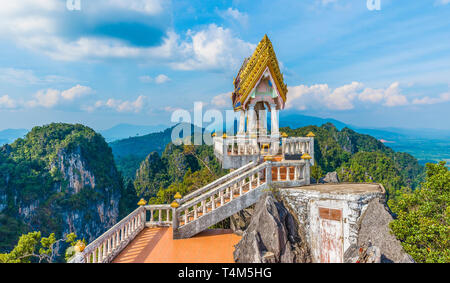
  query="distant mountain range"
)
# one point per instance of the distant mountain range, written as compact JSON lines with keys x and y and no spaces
{"x":123,"y":131}
{"x":427,"y":145}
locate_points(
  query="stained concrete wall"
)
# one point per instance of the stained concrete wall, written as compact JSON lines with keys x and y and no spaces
{"x":305,"y":202}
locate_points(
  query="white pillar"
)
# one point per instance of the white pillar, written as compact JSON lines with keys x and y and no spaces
{"x":275,"y":133}
{"x":241,"y":131}
{"x":262,"y":122}
{"x":274,"y":120}
{"x":252,"y":120}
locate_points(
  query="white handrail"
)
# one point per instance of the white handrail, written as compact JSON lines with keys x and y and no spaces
{"x":215,"y":183}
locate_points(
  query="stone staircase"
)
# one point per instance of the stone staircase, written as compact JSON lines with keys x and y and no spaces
{"x":234,"y":192}
{"x":200,"y":209}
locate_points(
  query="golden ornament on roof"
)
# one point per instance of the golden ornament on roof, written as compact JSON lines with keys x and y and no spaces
{"x":177,"y":195}
{"x":142,"y":202}
{"x":310,"y":135}
{"x":284,"y":135}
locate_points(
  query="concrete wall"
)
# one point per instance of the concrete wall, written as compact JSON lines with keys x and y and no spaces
{"x":305,"y":204}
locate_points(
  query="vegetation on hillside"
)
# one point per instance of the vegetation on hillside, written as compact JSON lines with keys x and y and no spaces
{"x":32,"y":247}
{"x":423,"y":217}
{"x":179,"y":169}
{"x":360,"y":158}
{"x":35,"y":193}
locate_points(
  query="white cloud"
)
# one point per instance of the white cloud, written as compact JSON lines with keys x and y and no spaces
{"x":235,"y":15}
{"x":150,"y":7}
{"x":7,"y":102}
{"x":443,"y":2}
{"x":118,"y":105}
{"x":222,"y":100}
{"x":28,"y":77}
{"x":45,"y":98}
{"x":444,"y":97}
{"x":50,"y":98}
{"x":76,"y":92}
{"x":326,"y":2}
{"x":342,"y":98}
{"x":212,"y":48}
{"x":390,"y":96}
{"x":160,"y":79}
{"x":46,"y":27}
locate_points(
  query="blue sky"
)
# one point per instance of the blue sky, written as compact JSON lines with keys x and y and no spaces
{"x":135,"y":61}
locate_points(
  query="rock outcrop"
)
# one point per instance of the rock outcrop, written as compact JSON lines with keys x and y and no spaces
{"x":272,"y":235}
{"x":330,"y":177}
{"x":374,"y":232}
{"x":240,"y":221}
{"x":60,"y":179}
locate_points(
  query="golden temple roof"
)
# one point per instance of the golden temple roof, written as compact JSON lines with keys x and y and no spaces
{"x":253,"y":68}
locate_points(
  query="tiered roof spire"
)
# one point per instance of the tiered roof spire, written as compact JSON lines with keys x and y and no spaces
{"x":253,"y":68}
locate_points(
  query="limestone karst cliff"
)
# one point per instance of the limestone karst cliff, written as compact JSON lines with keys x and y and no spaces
{"x":60,"y":178}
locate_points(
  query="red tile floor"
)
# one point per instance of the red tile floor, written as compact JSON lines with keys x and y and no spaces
{"x":157,"y":245}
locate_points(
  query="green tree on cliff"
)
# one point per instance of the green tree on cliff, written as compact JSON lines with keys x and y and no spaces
{"x":33,"y":247}
{"x":423,"y":217}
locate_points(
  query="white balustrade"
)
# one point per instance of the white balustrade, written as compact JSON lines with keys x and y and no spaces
{"x":193,"y":206}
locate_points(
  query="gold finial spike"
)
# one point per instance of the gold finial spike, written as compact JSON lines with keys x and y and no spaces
{"x":224,"y":135}
{"x":177,"y":196}
{"x":213,"y":134}
{"x":284,"y":135}
{"x":142,"y":202}
{"x":310,"y":135}
{"x":306,"y":156}
{"x":174,"y":204}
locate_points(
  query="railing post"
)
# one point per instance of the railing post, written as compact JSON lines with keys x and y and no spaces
{"x":269,"y":173}
{"x":258,"y":175}
{"x":174,"y":219}
{"x":203,"y":207}
{"x":307,"y":173}
{"x":195,"y":212}
{"x":213,"y":203}
{"x":104,"y":250}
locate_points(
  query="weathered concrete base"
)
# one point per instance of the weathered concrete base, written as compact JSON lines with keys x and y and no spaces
{"x":220,"y":213}
{"x":350,"y":199}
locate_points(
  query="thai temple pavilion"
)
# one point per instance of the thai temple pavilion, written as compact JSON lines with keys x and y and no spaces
{"x":259,"y":86}
{"x":259,"y":89}
{"x":261,"y":159}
